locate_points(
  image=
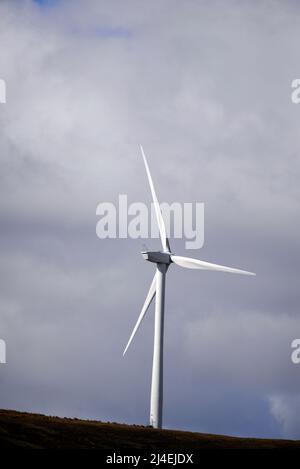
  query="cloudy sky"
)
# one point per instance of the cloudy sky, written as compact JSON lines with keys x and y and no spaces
{"x":206,"y":87}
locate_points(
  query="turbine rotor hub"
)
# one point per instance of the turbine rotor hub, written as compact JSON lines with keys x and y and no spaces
{"x":157,"y":257}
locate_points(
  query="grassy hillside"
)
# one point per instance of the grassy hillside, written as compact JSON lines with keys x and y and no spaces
{"x":24,"y":430}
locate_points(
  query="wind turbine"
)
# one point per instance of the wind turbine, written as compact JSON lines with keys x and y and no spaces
{"x":163,"y":259}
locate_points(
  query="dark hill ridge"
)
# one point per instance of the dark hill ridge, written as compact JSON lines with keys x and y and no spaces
{"x":26,"y":431}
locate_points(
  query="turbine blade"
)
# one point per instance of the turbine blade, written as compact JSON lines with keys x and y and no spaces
{"x":149,"y":298}
{"x":159,"y":218}
{"x":190,"y":263}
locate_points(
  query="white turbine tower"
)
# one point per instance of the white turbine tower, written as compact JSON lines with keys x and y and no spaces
{"x":163,"y":259}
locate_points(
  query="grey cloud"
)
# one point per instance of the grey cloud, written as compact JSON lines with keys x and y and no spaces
{"x":206,"y":89}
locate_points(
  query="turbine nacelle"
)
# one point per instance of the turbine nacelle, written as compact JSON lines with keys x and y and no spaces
{"x":158,"y":257}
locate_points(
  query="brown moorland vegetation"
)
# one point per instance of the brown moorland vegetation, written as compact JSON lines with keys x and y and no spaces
{"x":20,"y":430}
